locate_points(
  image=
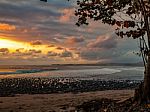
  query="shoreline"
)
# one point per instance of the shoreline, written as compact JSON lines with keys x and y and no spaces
{"x":13,"y":86}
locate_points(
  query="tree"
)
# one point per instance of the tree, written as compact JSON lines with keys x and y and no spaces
{"x":132,"y":19}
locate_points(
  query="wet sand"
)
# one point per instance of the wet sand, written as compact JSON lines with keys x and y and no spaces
{"x":65,"y":102}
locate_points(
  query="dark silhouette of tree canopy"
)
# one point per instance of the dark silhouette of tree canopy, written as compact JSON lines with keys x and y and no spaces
{"x":132,"y":19}
{"x":133,"y":15}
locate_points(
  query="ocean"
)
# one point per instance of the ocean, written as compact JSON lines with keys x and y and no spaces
{"x":78,"y":72}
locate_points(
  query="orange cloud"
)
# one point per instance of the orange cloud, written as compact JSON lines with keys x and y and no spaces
{"x":74,"y":40}
{"x":67,"y":14}
{"x":4,"y":50}
{"x":7,"y":27}
{"x":51,"y":46}
{"x":37,"y":42}
{"x":59,"y":48}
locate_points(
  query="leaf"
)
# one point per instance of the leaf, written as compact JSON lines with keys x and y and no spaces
{"x":109,"y":2}
{"x":126,"y":24}
{"x":121,"y":34}
{"x":118,"y":23}
{"x":132,"y":24}
{"x":128,"y":34}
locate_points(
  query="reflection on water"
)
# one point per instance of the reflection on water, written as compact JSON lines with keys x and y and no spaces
{"x":106,"y":73}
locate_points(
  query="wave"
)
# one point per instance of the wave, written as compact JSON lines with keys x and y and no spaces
{"x":26,"y":71}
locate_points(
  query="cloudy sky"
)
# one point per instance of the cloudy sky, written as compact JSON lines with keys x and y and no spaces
{"x":34,"y":32}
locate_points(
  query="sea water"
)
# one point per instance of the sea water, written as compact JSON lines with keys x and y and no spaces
{"x":80,"y":72}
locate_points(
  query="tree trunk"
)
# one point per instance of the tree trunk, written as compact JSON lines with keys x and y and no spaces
{"x":142,"y":93}
{"x":146,"y":86}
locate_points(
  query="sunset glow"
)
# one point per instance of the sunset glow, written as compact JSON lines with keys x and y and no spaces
{"x":34,"y":32}
{"x":26,"y":46}
{"x":4,"y":43}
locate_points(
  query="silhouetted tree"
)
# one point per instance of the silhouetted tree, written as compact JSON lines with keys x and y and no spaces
{"x":132,"y":19}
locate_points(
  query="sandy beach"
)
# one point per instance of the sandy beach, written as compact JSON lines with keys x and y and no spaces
{"x":57,"y":102}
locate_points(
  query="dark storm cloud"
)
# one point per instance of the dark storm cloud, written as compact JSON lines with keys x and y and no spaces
{"x":24,"y":13}
{"x":61,"y":3}
{"x":66,"y":54}
{"x":109,"y":48}
{"x":96,"y":54}
{"x":103,"y":42}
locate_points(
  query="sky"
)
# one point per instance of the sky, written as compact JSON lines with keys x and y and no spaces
{"x":39,"y":33}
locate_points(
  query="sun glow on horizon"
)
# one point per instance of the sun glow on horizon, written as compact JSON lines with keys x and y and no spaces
{"x":13,"y":45}
{"x":5,"y":43}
